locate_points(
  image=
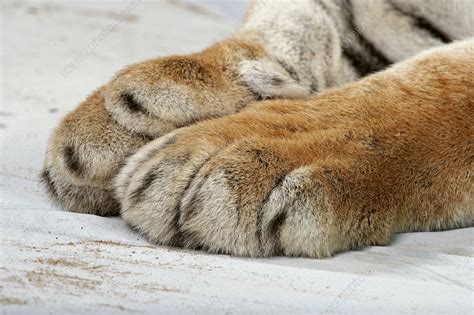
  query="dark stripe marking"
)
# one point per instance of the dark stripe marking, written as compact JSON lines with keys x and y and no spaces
{"x":145,"y":136}
{"x":177,"y":210}
{"x":138,"y":194}
{"x":365,"y":59}
{"x":131,"y":103}
{"x":188,"y":212}
{"x":49,"y":183}
{"x":256,"y":96}
{"x":291,"y":71}
{"x":273,"y":229}
{"x":167,"y":163}
{"x":195,"y":202}
{"x":72,"y":160}
{"x":191,"y":240}
{"x":274,"y":225}
{"x":424,"y":24}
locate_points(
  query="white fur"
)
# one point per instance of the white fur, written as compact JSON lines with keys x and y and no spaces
{"x":308,"y":35}
{"x":302,"y":35}
{"x":454,"y":17}
{"x":261,"y":76}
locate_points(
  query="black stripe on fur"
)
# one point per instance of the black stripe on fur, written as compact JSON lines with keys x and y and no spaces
{"x":425,"y":25}
{"x":362,"y":53}
{"x":130,"y":102}
{"x":49,"y":183}
{"x":72,"y":160}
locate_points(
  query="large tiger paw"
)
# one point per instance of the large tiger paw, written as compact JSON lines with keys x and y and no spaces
{"x":157,"y":96}
{"x":244,"y":185}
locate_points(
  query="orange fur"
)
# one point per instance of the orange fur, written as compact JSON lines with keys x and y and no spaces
{"x":89,"y":145}
{"x":391,"y":153}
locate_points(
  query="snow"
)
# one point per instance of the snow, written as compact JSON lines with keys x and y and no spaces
{"x":56,"y":52}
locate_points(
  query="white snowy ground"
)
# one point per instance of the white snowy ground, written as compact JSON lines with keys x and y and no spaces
{"x":52,"y":55}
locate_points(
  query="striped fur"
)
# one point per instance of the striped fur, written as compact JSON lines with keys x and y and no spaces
{"x":332,"y":42}
{"x":283,"y":49}
{"x":391,"y":153}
